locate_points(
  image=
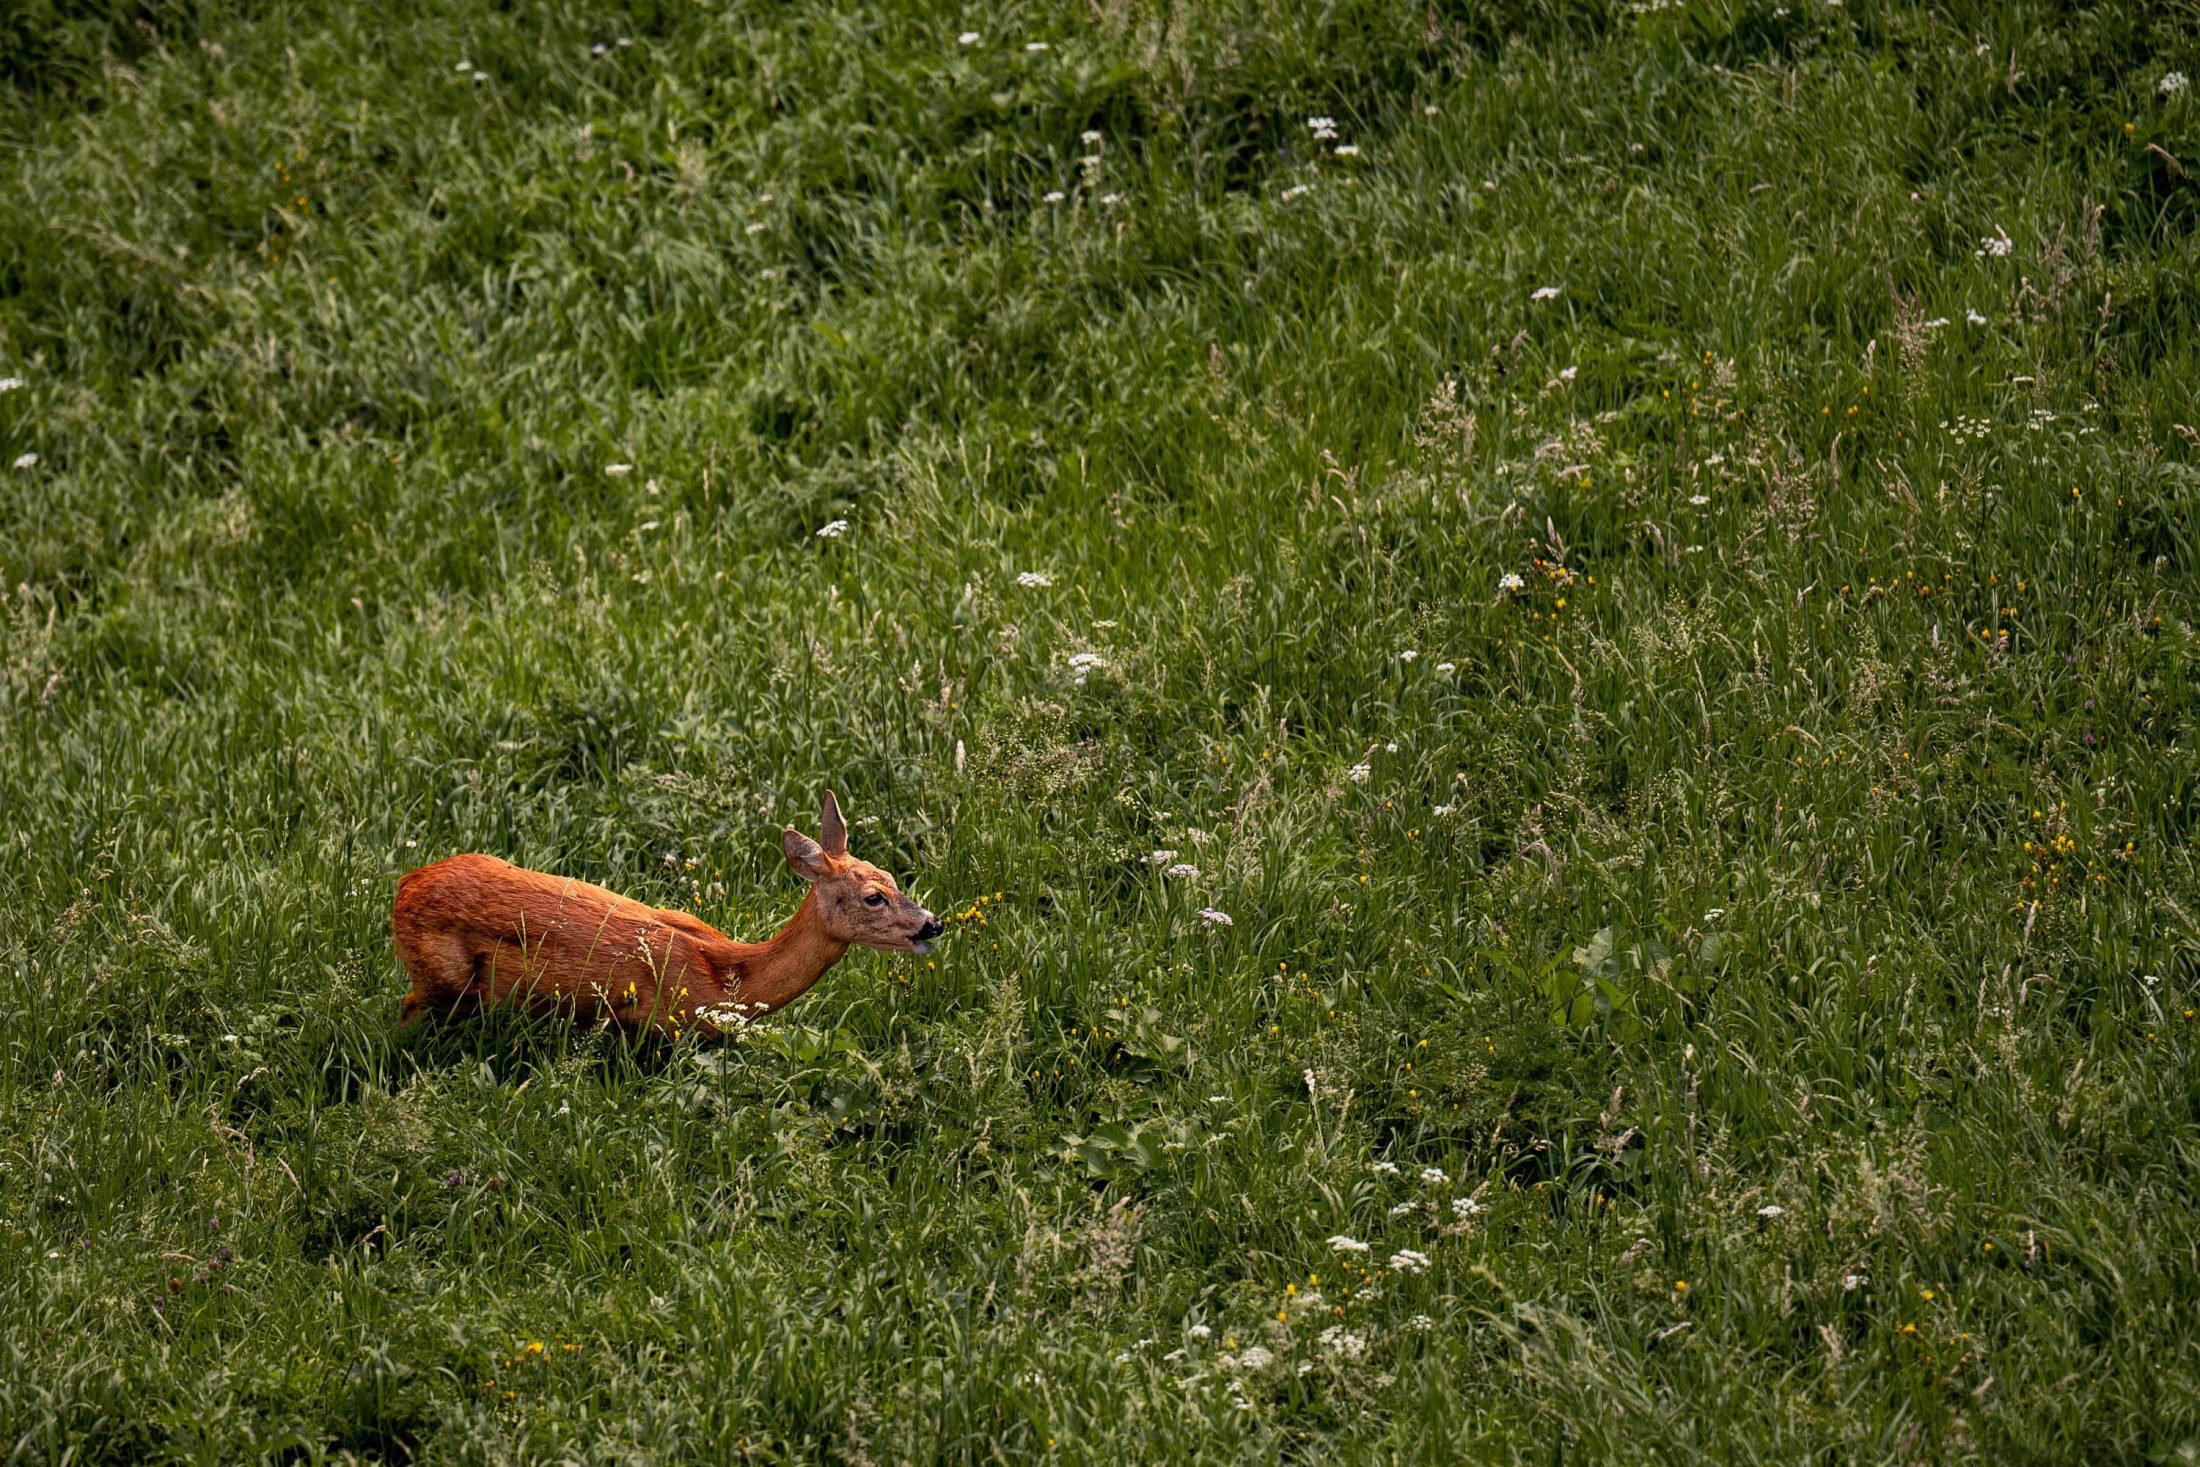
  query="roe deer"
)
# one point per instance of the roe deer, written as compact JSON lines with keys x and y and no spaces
{"x":474,"y":929}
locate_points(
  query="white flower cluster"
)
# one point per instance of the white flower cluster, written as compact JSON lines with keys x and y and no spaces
{"x":1342,"y":1344}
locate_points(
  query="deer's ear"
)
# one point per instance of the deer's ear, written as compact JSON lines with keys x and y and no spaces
{"x":807,"y":857}
{"x":832,"y":831}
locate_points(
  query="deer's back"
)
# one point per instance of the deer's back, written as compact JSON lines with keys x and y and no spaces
{"x":478,"y":922}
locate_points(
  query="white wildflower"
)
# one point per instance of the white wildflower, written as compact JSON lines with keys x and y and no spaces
{"x":756,"y":228}
{"x":1446,"y":669}
{"x":27,"y":461}
{"x":1408,"y":655}
{"x":1510,"y":581}
{"x":1037,"y":46}
{"x":1053,"y":196}
{"x":1975,"y":318}
{"x":1214,"y":917}
{"x":1409,"y":1260}
{"x":1434,"y":1176}
{"x":1255,"y":1357}
{"x":1183,"y":871}
{"x":1465,"y":1206}
{"x":1384,"y":1168}
{"x":1342,"y":1343}
{"x":1089,"y":135}
{"x":1291,"y":193}
{"x":1402,"y":1208}
{"x":1714,"y":914}
{"x":967,"y":38}
{"x":1199,"y":1332}
{"x":1936,"y":323}
{"x":1568,"y":374}
{"x":618,"y":471}
{"x":1347,"y":150}
{"x":1998,"y":244}
{"x":1034,"y":578}
{"x":1109,"y":201}
{"x":1358,"y":773}
{"x":1343,"y":1244}
{"x":1162,"y":857}
{"x":1545,"y":293}
{"x":832,"y":531}
{"x":1852,"y":1282}
{"x":1082,"y":663}
{"x":10,"y":384}
{"x":1699,"y":500}
{"x":599,"y":49}
{"x":1421,"y":1322}
{"x":2173,"y":82}
{"x":1323,"y":128}
{"x":1442,"y":810}
{"x":1770,"y":1209}
{"x":463,"y":67}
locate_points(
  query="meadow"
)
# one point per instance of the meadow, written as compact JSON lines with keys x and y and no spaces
{"x":1542,"y":652}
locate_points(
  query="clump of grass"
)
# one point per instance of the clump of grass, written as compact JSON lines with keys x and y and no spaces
{"x":1546,"y":658}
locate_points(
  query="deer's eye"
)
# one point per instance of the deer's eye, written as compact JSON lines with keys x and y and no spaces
{"x":874,"y":900}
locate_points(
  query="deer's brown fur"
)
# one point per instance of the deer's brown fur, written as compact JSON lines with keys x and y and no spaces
{"x":475,"y":930}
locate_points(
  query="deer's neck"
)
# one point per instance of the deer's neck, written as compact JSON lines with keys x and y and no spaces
{"x":777,"y":972}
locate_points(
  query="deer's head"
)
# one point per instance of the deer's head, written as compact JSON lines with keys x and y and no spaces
{"x":857,"y":902}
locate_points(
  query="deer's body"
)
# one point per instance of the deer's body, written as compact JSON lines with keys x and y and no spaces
{"x":475,"y":930}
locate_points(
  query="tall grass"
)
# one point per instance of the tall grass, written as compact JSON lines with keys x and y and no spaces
{"x":1646,"y":568}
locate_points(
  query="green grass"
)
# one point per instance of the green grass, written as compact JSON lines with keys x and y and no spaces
{"x":1787,"y":891}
